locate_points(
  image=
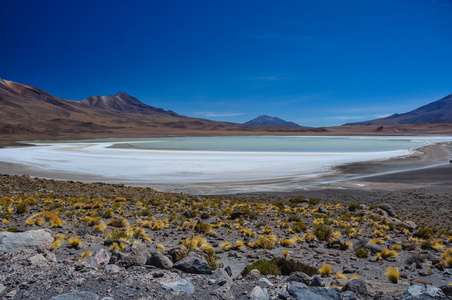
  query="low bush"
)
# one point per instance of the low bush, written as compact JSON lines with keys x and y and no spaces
{"x":392,"y":274}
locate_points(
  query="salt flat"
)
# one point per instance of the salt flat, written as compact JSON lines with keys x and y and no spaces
{"x":193,"y":170}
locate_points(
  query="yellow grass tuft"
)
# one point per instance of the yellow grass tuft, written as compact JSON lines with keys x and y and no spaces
{"x":264,"y":242}
{"x":386,"y":253}
{"x":56,"y":244}
{"x":447,"y":253}
{"x":47,"y":216}
{"x":285,"y":253}
{"x":225,"y":246}
{"x":288,"y":242}
{"x":376,"y":241}
{"x":86,"y":254}
{"x":74,"y":243}
{"x":116,"y":246}
{"x":239,"y":245}
{"x":100,"y":227}
{"x":326,"y":270}
{"x":339,"y":275}
{"x":392,"y":274}
{"x":160,"y":247}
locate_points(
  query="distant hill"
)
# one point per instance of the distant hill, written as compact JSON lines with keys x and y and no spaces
{"x":436,"y":112}
{"x":264,"y":120}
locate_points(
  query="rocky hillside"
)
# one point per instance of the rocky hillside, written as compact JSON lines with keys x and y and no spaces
{"x":436,"y":112}
{"x":264,"y":120}
{"x":69,"y":240}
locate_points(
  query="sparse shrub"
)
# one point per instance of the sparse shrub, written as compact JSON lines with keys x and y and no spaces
{"x":313,"y":201}
{"x":238,"y":245}
{"x":424,"y":233}
{"x":203,"y":228}
{"x":354,"y":206}
{"x":361,"y":253}
{"x":415,"y":258}
{"x":326,"y":270}
{"x":118,"y":222}
{"x":322,"y":232}
{"x":294,"y":218}
{"x":22,"y":208}
{"x":11,"y":229}
{"x":267,"y":230}
{"x":376,"y":241}
{"x":100,"y":227}
{"x":392,"y":274}
{"x":299,"y":226}
{"x":386,"y":253}
{"x":279,"y":266}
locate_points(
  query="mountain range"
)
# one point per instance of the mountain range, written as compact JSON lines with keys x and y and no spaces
{"x":29,"y":112}
{"x":264,"y":120}
{"x":433,"y":113}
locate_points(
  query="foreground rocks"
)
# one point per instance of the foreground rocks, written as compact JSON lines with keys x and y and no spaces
{"x":34,"y":240}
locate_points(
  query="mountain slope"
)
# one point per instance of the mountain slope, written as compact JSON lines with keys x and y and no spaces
{"x":264,"y":120}
{"x":436,"y":112}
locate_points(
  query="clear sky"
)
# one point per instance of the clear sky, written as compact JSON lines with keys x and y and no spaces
{"x":317,"y":63}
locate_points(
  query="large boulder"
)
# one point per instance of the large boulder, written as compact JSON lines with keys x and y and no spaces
{"x":180,"y":285}
{"x":358,"y":286}
{"x":159,"y":260}
{"x":388,"y":208}
{"x":29,"y":241}
{"x":193,"y":263}
{"x":134,"y":255}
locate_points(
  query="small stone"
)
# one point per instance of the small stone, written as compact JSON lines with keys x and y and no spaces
{"x":180,"y":285}
{"x":76,"y":296}
{"x":317,"y":281}
{"x":112,"y":268}
{"x":255,"y":274}
{"x":211,"y":281}
{"x":265,"y":283}
{"x":36,"y":259}
{"x":11,"y":294}
{"x":158,"y":274}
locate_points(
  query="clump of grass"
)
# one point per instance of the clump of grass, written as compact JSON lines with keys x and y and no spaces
{"x":238,"y":245}
{"x":203,"y":228}
{"x":288,"y":242}
{"x":326,"y":270}
{"x":118,"y":222}
{"x":117,"y":246}
{"x":225,"y":246}
{"x":376,"y":241}
{"x":194,"y":243}
{"x":74,"y":243}
{"x":280,"y":266}
{"x":340,"y":275}
{"x":361,"y":253}
{"x":322,"y":232}
{"x":267,"y":230}
{"x":47,"y":216}
{"x":160,"y":247}
{"x":386,"y":253}
{"x":57,"y":242}
{"x":22,"y":208}
{"x":86,"y":254}
{"x":264,"y":242}
{"x":299,"y":226}
{"x":100,"y":227}
{"x":392,"y":274}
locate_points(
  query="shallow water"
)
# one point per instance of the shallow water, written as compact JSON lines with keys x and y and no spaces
{"x":209,"y":165}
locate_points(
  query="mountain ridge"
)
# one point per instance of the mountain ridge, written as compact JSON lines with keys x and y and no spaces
{"x":439,"y":111}
{"x":264,"y":120}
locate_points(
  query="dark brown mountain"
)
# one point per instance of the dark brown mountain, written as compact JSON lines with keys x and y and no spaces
{"x":28,"y":112}
{"x":436,"y":112}
{"x":264,"y":120}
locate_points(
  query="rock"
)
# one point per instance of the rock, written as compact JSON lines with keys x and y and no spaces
{"x":447,"y":290}
{"x":193,"y":263}
{"x":349,"y":295}
{"x":11,"y":294}
{"x":358,"y":286}
{"x":388,"y":208}
{"x":2,"y":288}
{"x":228,"y":270}
{"x":159,"y":260}
{"x":382,"y":296}
{"x":255,"y":274}
{"x":134,"y":255}
{"x":112,"y":268}
{"x":102,"y":257}
{"x":418,"y":291}
{"x":314,"y":293}
{"x":180,"y":285}
{"x":374,"y":248}
{"x":158,"y":274}
{"x":35,"y":259}
{"x":76,"y":296}
{"x":317,"y":281}
{"x":51,"y":257}
{"x":34,"y":240}
{"x":322,"y":210}
{"x":222,"y":277}
{"x":284,"y":295}
{"x":409,"y":246}
{"x":90,"y":262}
{"x":298,"y":277}
{"x":257,"y":293}
{"x":175,"y":252}
{"x":265,"y":283}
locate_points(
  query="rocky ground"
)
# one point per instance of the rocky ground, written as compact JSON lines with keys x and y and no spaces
{"x":70,"y":240}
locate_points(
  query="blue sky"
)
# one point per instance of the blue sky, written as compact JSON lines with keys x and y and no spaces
{"x":317,"y":63}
